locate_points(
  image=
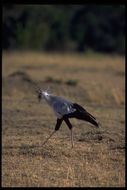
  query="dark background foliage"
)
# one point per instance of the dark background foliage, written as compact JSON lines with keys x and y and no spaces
{"x":63,"y":28}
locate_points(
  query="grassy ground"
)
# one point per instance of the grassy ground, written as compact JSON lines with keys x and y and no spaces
{"x":98,"y":156}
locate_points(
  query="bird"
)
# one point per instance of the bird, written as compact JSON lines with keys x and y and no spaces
{"x":64,"y":110}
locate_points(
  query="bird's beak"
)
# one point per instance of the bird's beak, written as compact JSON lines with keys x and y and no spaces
{"x":39,"y":97}
{"x":39,"y":94}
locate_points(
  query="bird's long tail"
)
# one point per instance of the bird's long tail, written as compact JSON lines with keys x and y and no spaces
{"x":82,"y":114}
{"x":88,"y":117}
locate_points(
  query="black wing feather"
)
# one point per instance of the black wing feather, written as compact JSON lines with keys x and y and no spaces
{"x":81,"y":109}
{"x":81,"y":113}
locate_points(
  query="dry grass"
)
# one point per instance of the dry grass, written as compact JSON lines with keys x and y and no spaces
{"x":98,"y":157}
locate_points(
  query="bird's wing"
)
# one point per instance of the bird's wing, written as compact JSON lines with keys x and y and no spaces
{"x":84,"y":115}
{"x":61,"y":106}
{"x":81,"y":109}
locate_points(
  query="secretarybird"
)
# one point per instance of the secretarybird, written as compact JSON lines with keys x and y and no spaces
{"x":65,"y":110}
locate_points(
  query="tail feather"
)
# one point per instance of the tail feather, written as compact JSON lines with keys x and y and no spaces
{"x":82,"y":114}
{"x":93,"y":121}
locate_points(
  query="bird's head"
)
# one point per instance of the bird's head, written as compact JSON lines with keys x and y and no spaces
{"x":42,"y":94}
{"x":39,"y":95}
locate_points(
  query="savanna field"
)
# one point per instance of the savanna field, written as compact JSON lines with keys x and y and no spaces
{"x":97,"y":82}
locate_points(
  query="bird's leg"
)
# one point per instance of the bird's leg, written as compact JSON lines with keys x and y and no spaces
{"x":58,"y":124}
{"x":70,"y":127}
{"x":72,"y":143}
{"x":48,"y":137}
